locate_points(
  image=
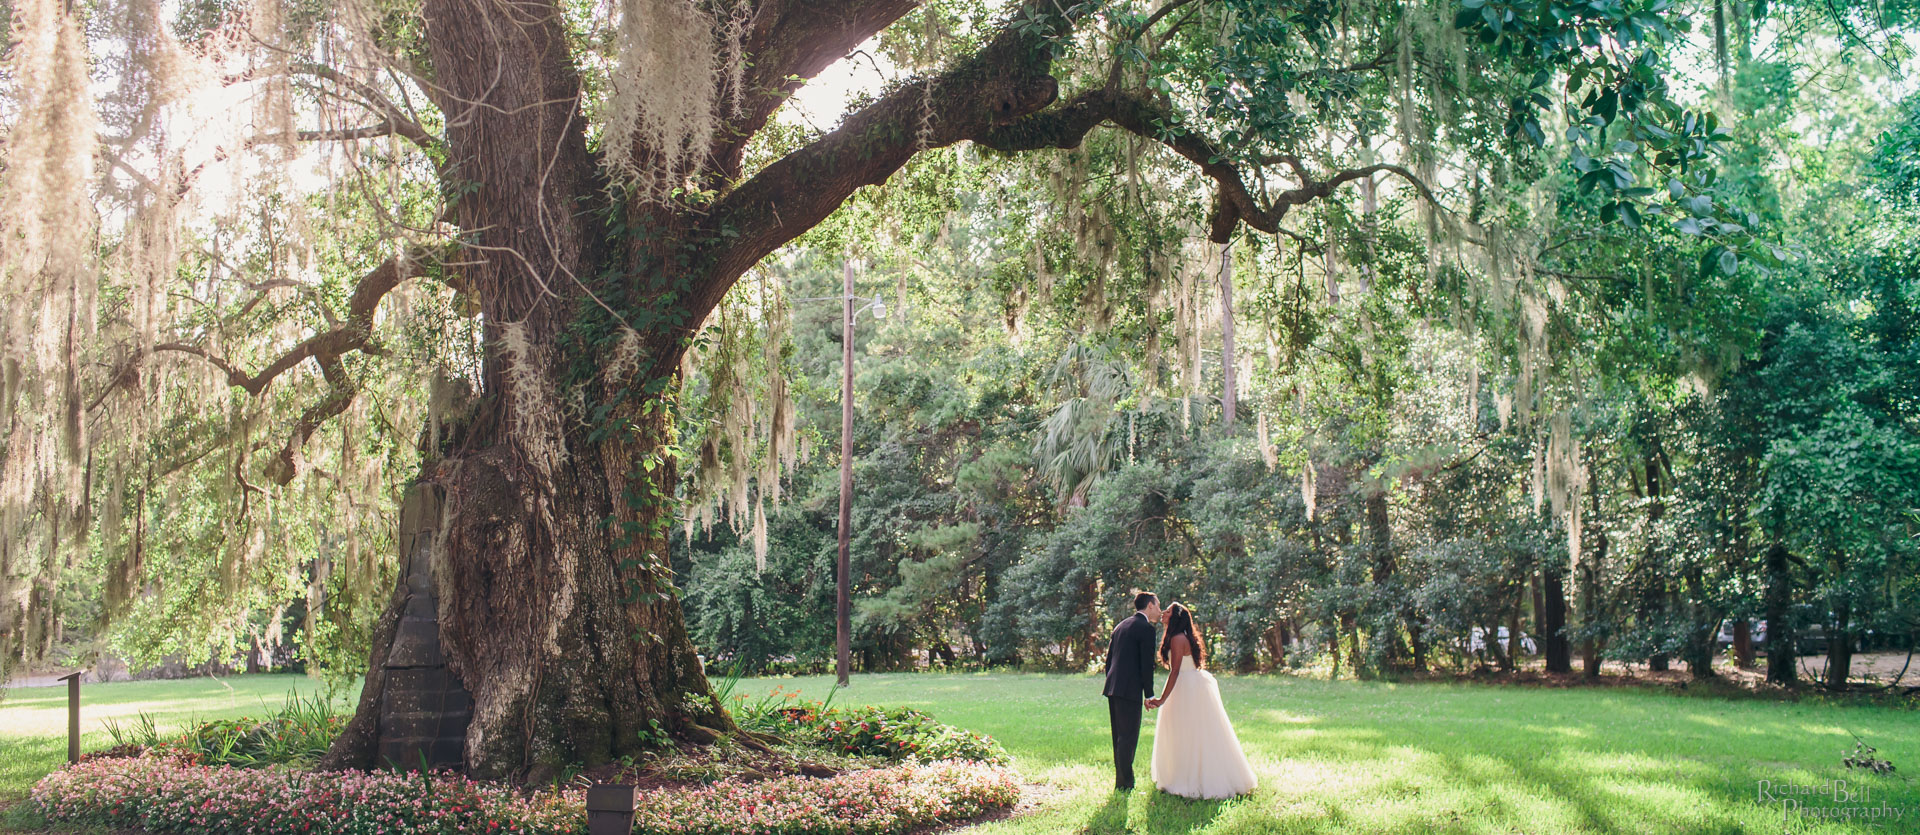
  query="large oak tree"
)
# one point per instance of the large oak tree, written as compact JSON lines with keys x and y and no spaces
{"x":605,"y":179}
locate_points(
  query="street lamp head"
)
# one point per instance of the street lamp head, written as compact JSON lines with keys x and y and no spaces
{"x":879,"y":307}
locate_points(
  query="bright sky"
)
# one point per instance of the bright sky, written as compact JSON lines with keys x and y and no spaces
{"x":821,"y":103}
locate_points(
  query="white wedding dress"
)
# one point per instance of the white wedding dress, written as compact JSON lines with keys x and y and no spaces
{"x":1195,"y":753}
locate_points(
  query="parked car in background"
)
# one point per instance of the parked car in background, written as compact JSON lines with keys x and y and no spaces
{"x":1476,"y":641}
{"x":1756,"y":628}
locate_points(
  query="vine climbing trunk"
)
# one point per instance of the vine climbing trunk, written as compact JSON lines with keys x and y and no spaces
{"x":535,"y":628}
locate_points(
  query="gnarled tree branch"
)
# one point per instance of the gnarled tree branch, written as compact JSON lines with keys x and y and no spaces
{"x":354,"y":334}
{"x":1003,"y":82}
{"x":1067,"y":125}
{"x":789,"y":42}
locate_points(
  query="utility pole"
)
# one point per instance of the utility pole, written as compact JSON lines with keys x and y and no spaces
{"x":851,"y":307}
{"x":843,"y":603}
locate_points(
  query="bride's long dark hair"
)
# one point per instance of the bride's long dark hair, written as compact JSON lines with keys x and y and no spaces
{"x":1180,"y":622}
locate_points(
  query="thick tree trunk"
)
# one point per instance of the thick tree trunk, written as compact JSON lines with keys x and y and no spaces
{"x":1589,"y":578}
{"x":1380,"y":540}
{"x":540,"y":629}
{"x":1840,"y":648}
{"x":534,"y":635}
{"x":1654,"y":595}
{"x":1701,"y":631}
{"x":1742,"y":644}
{"x":1779,"y":596}
{"x":1553,"y":640}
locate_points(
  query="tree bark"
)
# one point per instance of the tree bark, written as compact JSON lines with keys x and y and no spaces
{"x":1553,"y":638}
{"x":1742,"y":644}
{"x":1779,"y":597}
{"x":1654,"y":595}
{"x":1703,"y":626}
{"x":1380,"y":540}
{"x":1840,"y":648}
{"x":1590,"y":603}
{"x":563,"y":628}
{"x":1276,"y":639}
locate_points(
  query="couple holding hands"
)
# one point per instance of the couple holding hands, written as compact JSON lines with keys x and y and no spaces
{"x":1195,"y":752}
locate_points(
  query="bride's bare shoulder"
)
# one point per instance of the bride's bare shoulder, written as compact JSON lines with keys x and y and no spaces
{"x":1182,"y":645}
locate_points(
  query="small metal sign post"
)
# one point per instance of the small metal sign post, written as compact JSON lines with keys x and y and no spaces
{"x":610,"y":809}
{"x":73,"y":714}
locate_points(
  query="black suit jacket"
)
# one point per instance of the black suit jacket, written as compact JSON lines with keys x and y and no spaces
{"x":1130,"y":659}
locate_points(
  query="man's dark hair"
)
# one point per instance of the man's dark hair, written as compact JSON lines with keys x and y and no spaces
{"x":1141,"y":600}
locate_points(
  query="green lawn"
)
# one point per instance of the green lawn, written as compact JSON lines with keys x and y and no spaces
{"x":1332,"y":757}
{"x":1418,"y":758}
{"x":33,"y":720}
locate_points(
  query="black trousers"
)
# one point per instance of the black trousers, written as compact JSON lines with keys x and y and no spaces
{"x":1124,"y":713}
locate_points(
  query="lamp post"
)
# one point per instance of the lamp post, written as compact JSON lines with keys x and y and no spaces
{"x":843,"y":593}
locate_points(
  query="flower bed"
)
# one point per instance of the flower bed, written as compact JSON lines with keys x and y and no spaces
{"x":165,"y":794}
{"x":897,"y":733}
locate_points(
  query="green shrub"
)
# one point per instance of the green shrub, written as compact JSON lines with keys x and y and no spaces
{"x":294,"y":735}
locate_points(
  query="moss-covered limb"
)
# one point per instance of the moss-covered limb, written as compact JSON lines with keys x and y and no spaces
{"x":354,"y":333}
{"x":1067,"y":125}
{"x":789,"y":42}
{"x":1005,"y":81}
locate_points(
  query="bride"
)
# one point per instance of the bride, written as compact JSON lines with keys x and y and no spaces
{"x":1195,"y":753}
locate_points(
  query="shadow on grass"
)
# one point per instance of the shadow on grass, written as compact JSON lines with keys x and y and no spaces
{"x":1167,"y":814}
{"x":1150,"y":811}
{"x":1110,"y":818}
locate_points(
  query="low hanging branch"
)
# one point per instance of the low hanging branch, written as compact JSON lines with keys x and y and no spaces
{"x":1067,"y":126}
{"x":1000,"y":84}
{"x":355,"y":333}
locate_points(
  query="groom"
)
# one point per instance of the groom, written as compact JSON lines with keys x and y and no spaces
{"x":1130,"y":681}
